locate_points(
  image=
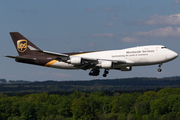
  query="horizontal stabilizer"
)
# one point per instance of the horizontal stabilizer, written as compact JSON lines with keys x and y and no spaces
{"x":18,"y":57}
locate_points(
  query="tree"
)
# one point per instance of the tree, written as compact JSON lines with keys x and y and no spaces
{"x":81,"y":110}
{"x":64,"y":107}
{"x":27,"y":111}
{"x":5,"y":108}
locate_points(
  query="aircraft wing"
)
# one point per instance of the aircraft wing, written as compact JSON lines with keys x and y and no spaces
{"x":114,"y":61}
{"x":88,"y":62}
{"x":53,"y":53}
{"x":47,"y":52}
{"x":60,"y":55}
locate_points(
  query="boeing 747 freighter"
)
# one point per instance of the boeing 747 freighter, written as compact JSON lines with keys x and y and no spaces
{"x":123,"y":59}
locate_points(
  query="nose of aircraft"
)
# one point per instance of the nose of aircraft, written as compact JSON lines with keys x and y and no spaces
{"x":175,"y":54}
{"x":171,"y":55}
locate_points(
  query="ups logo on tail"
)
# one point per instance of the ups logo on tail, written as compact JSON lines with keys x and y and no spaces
{"x":22,"y":45}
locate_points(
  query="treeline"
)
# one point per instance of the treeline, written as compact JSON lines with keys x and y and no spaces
{"x":112,"y":85}
{"x":150,"y":105}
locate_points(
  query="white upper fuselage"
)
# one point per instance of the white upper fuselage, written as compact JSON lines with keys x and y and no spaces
{"x":136,"y":56}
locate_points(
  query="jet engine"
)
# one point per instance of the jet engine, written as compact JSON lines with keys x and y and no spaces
{"x":126,"y":68}
{"x":107,"y":64}
{"x":75,"y":61}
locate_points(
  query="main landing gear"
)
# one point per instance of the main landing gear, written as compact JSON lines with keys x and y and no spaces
{"x":159,"y":69}
{"x":105,"y":72}
{"x":95,"y":72}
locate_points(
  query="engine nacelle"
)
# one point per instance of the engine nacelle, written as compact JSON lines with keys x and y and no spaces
{"x":107,"y":64}
{"x":126,"y":68}
{"x":76,"y":61}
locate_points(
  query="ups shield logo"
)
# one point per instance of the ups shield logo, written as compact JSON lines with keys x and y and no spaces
{"x":22,"y":45}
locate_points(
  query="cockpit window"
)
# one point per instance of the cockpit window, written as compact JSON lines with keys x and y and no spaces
{"x":163,"y":47}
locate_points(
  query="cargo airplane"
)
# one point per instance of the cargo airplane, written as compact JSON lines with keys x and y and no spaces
{"x":123,"y":59}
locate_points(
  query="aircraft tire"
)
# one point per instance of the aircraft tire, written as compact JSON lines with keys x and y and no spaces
{"x":159,"y":70}
{"x":104,"y":75}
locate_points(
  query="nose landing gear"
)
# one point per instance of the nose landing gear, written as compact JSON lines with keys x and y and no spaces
{"x":159,"y":69}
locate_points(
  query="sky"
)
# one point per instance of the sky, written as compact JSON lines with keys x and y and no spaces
{"x":78,"y":25}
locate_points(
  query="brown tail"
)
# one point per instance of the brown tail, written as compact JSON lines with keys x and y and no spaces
{"x":22,"y":44}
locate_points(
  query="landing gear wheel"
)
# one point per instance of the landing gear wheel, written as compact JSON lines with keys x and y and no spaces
{"x":104,"y":75}
{"x":90,"y":74}
{"x":94,"y":72}
{"x":105,"y":72}
{"x":159,"y":70}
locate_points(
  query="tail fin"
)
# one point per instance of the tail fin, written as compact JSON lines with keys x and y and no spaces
{"x":22,"y":44}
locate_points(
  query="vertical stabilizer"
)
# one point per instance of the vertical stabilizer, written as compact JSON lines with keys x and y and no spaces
{"x":22,"y":44}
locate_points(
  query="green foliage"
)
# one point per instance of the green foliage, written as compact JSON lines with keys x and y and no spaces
{"x":109,"y":85}
{"x":80,"y":110}
{"x":150,"y":105}
{"x":122,"y":116}
{"x":27,"y":111}
{"x":64,"y":107}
